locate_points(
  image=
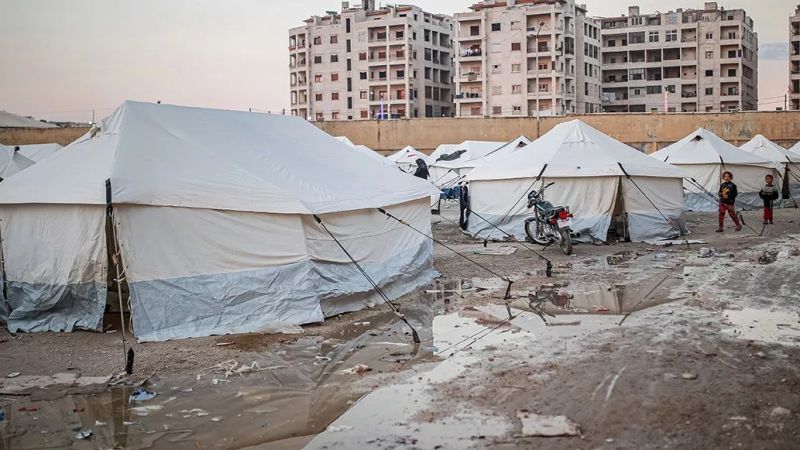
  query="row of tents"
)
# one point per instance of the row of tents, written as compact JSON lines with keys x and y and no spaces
{"x":601,"y":179}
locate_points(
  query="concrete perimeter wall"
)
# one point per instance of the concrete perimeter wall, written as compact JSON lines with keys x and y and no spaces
{"x":647,"y":132}
{"x":25,"y":136}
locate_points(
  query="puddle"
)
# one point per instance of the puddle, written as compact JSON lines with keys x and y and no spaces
{"x":765,"y":326}
{"x":597,"y":299}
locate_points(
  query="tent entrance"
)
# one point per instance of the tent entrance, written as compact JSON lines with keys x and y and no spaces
{"x":111,"y":316}
{"x":618,"y":230}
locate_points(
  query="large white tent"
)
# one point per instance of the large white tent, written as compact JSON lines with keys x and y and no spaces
{"x":789,"y":161}
{"x":38,"y":152}
{"x":704,"y":157}
{"x":214,"y":212}
{"x":406,"y":159}
{"x":12,"y":162}
{"x":589,"y":171}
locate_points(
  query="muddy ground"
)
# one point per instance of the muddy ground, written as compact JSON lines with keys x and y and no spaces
{"x":708,"y":359}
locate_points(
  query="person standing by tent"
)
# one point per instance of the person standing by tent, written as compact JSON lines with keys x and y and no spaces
{"x":768,"y":193}
{"x":422,"y":169}
{"x":727,"y":199}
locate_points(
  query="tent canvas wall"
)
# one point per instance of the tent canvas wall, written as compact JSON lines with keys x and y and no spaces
{"x":406,"y":159}
{"x":38,"y":152}
{"x":587,"y":168}
{"x":214,"y":214}
{"x":449,"y":162}
{"x":790,"y":162}
{"x":364,"y":150}
{"x":703,"y":156}
{"x":12,"y":162}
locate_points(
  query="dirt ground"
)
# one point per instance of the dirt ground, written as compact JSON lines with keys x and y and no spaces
{"x":708,"y":359}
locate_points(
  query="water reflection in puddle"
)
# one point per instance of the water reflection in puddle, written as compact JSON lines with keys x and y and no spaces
{"x":765,"y":326}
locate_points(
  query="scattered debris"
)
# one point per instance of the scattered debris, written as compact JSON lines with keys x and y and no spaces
{"x":97,"y":424}
{"x":216,"y":419}
{"x":546,"y":426}
{"x":601,"y":309}
{"x":84,"y":434}
{"x":689,"y":376}
{"x":706,"y":252}
{"x":225,"y":344}
{"x":13,"y":375}
{"x":146,"y":410}
{"x":357,"y":370}
{"x":503,"y":250}
{"x":141,"y":395}
{"x":338,"y":428}
{"x":768,"y":257}
{"x":779,"y":411}
{"x":671,"y":242}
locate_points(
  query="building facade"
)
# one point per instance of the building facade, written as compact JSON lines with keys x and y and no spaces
{"x":372,"y":63}
{"x":680,"y":61}
{"x":794,"y":61}
{"x":526,"y":58}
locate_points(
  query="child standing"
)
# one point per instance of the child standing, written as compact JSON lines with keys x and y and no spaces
{"x":769,"y":193}
{"x":727,"y":200}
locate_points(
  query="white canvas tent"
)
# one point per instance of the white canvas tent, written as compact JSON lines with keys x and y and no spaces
{"x":12,"y":162}
{"x":587,"y":169}
{"x":449,"y":163}
{"x":789,"y":161}
{"x":704,"y":157}
{"x":214,"y":211}
{"x":364,"y":150}
{"x":38,"y":152}
{"x":406,"y":159}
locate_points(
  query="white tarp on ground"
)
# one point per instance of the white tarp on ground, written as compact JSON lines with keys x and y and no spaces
{"x":406,"y":159}
{"x":704,"y":156}
{"x":364,"y":150}
{"x":213,"y":211}
{"x":12,"y":162}
{"x":38,"y":152}
{"x":790,"y":162}
{"x":587,"y":168}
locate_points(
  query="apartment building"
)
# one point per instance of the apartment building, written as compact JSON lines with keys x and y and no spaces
{"x":372,"y":63}
{"x":684,"y":60}
{"x":526,"y":58}
{"x":794,"y":61}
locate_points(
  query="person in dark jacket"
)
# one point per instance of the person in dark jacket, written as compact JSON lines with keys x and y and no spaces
{"x":768,"y":193}
{"x":727,"y":200}
{"x":422,"y":170}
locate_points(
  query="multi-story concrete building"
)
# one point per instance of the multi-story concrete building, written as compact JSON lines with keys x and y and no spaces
{"x":367,"y":62}
{"x":514,"y":58}
{"x":684,"y":60}
{"x":794,"y":61}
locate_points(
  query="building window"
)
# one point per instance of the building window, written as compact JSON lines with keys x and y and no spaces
{"x":362,"y":75}
{"x":653,"y":37}
{"x":334,"y":58}
{"x":317,"y":40}
{"x":671,"y":36}
{"x":474,"y":30}
{"x":364,"y":114}
{"x":611,"y":43}
{"x":497,"y":68}
{"x":710,"y":36}
{"x":334,"y":39}
{"x":362,"y":56}
{"x":495,"y":27}
{"x":318,"y":97}
{"x":318,"y":60}
{"x":334,"y":96}
{"x":318,"y":78}
{"x":709,"y":73}
{"x":516,"y":109}
{"x":516,"y":88}
{"x":362,"y":95}
{"x":731,"y":72}
{"x":335,"y":115}
{"x":651,"y":90}
{"x":497,"y":110}
{"x":516,"y":68}
{"x":710,"y":55}
{"x":334,"y":77}
{"x":515,"y":46}
{"x":319,"y":117}
{"x":709,"y":91}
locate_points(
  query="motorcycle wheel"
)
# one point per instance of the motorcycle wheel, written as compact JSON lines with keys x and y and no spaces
{"x":565,"y":241}
{"x":532,"y":230}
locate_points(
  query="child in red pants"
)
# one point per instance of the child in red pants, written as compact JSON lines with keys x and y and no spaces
{"x":769,"y":193}
{"x":727,"y":200}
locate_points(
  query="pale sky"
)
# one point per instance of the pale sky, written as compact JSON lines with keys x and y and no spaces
{"x":59,"y":59}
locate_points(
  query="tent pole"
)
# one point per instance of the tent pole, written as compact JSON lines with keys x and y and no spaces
{"x":127,"y":355}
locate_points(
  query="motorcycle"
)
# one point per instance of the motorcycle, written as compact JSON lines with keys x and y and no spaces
{"x":550,"y":224}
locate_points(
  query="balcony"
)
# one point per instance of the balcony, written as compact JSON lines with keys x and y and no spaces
{"x":467,"y":53}
{"x":470,"y":76}
{"x":469,"y":97}
{"x":688,"y":94}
